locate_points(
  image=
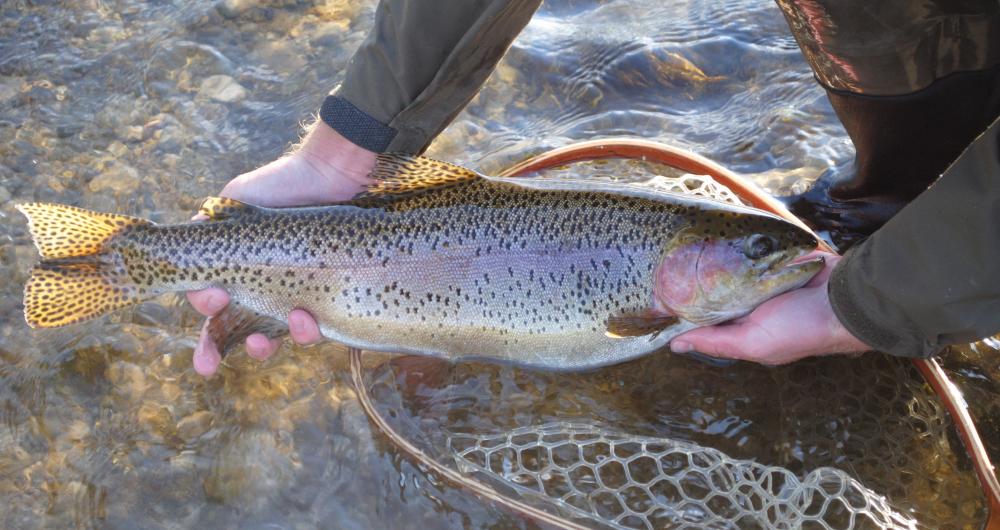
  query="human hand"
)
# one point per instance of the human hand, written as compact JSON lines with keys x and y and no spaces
{"x":325,"y":168}
{"x":786,"y":328}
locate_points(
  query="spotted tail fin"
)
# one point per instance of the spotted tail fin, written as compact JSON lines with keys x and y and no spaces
{"x":78,"y":278}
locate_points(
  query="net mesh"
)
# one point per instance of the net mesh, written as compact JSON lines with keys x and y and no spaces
{"x":630,"y":481}
{"x":696,"y":185}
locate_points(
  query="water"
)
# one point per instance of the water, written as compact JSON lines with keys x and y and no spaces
{"x":146,"y":108}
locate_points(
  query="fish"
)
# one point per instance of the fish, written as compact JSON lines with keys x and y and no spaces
{"x":436,"y":259}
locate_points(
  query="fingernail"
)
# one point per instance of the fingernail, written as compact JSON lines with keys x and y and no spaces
{"x":680,"y":346}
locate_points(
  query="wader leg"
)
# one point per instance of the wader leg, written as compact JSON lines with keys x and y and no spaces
{"x":908,"y":107}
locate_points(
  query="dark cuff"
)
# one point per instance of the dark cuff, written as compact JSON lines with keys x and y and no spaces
{"x":858,"y":307}
{"x":352,"y":123}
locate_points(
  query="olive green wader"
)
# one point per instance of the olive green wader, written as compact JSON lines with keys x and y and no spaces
{"x":915,"y":83}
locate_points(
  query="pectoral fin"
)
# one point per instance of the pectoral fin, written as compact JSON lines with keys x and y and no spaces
{"x":235,"y":323}
{"x":638,"y":324}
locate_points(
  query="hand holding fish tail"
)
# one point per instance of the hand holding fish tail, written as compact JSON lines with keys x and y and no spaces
{"x":325,"y":168}
{"x":791,"y":326}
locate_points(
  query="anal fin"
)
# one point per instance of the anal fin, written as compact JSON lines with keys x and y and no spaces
{"x":235,"y":323}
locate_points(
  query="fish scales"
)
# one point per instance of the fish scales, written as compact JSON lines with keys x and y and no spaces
{"x":488,"y":270}
{"x":471,"y":268}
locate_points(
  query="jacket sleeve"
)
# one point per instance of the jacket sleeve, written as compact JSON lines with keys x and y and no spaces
{"x":422,"y":62}
{"x":930,"y":277}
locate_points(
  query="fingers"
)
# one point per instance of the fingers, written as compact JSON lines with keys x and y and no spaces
{"x":209,"y":301}
{"x":261,"y":347}
{"x":207,"y":358}
{"x":726,"y":341}
{"x":206,"y":354}
{"x":303,"y":327}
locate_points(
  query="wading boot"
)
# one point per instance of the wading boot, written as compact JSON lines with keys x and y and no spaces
{"x":914,"y":83}
{"x":902,"y":145}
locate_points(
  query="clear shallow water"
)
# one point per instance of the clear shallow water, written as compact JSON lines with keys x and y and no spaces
{"x":113,"y":106}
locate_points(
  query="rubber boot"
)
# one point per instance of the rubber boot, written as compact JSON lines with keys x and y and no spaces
{"x":902,"y":145}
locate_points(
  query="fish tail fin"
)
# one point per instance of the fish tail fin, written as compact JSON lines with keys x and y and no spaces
{"x":61,"y":292}
{"x":61,"y":231}
{"x":78,"y":278}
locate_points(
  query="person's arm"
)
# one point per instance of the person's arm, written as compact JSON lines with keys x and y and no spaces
{"x":419,"y":66}
{"x":926,"y":279}
{"x":423,"y":61}
{"x":931,"y":276}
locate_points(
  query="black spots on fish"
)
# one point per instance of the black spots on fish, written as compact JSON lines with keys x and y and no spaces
{"x":524,"y":276}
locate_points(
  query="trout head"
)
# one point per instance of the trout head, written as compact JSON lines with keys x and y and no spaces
{"x":728,"y":263}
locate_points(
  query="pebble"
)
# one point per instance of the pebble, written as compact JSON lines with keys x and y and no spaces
{"x":77,"y":431}
{"x":117,"y":149}
{"x":126,"y":377}
{"x":120,"y":178}
{"x":10,"y":87}
{"x":155,"y":418}
{"x":281,"y":57}
{"x":248,"y":10}
{"x":65,"y":130}
{"x":107,"y":34}
{"x":247,"y":481}
{"x":132,"y":133}
{"x":222,"y":88}
{"x":232,"y":8}
{"x":171,"y":392}
{"x":170,"y":160}
{"x":194,"y":425}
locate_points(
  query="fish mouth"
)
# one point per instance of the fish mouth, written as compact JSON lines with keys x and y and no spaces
{"x":796,"y":272}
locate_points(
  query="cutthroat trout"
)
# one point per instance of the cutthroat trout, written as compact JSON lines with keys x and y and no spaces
{"x":437,"y":259}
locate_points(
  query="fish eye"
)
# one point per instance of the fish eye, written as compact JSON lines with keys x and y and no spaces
{"x":759,"y":245}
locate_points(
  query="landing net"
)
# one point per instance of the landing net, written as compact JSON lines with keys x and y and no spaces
{"x":628,"y":481}
{"x":575,"y":474}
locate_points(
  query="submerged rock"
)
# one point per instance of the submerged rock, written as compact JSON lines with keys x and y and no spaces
{"x":10,"y":87}
{"x":194,"y":425}
{"x":222,"y":88}
{"x":251,"y":468}
{"x":120,"y":177}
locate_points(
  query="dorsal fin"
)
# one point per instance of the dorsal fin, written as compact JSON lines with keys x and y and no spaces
{"x":398,"y":174}
{"x":218,"y":208}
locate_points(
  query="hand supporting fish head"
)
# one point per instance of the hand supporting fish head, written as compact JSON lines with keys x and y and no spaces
{"x":724,"y":266}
